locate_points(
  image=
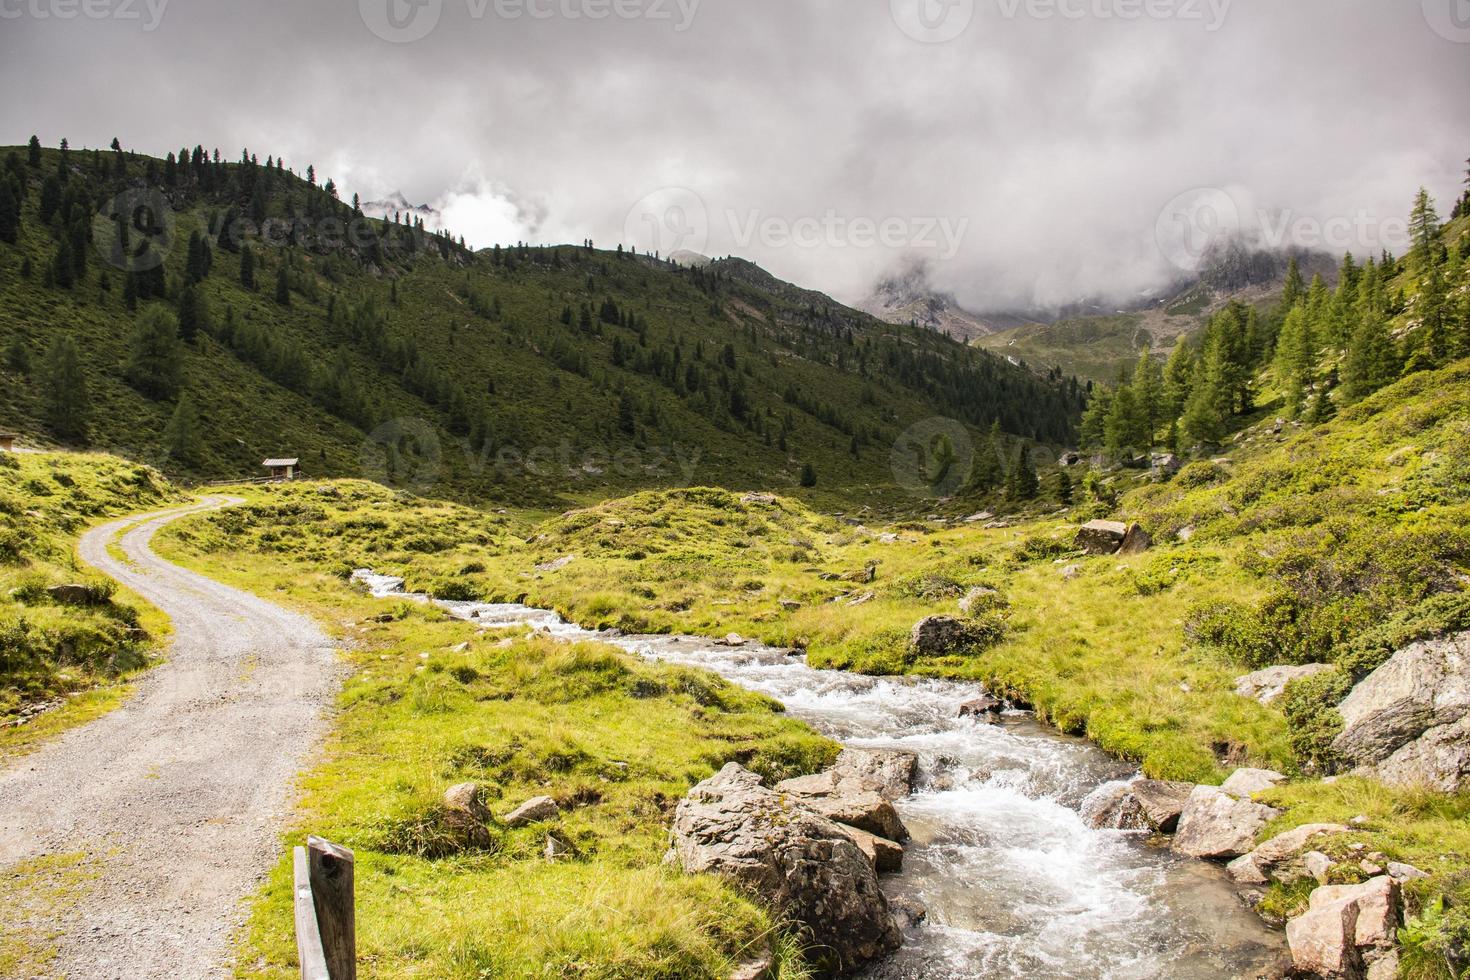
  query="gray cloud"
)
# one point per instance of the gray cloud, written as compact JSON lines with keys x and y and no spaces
{"x":817,"y":137}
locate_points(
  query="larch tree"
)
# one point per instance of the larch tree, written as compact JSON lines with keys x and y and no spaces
{"x":1372,"y":360}
{"x":1296,"y":355}
{"x":64,"y":387}
{"x":1423,"y":229}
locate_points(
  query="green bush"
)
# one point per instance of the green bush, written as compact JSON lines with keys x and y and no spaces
{"x":1437,"y":616}
{"x":1312,"y":719}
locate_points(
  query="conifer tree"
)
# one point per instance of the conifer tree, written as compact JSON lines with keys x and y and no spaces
{"x":1423,"y":229}
{"x":247,"y":267}
{"x":64,"y":387}
{"x":1064,"y":488}
{"x":1124,"y":430}
{"x":157,"y":357}
{"x":1177,"y":375}
{"x":808,"y":475}
{"x":1210,"y":401}
{"x":1372,"y":360}
{"x":1148,"y":392}
{"x":1023,"y":484}
{"x":283,"y":286}
{"x":1296,"y":354}
{"x":989,"y":471}
{"x":9,"y":213}
{"x":1296,"y":287}
{"x":193,"y":313}
{"x":182,"y":435}
{"x":1093,"y":429}
{"x":33,"y":151}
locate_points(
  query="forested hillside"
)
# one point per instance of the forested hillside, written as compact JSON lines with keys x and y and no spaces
{"x":1313,"y":353}
{"x":203,"y":315}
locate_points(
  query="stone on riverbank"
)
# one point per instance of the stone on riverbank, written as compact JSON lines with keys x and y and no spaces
{"x":1215,"y":824}
{"x":1348,"y":932}
{"x":803,"y":865}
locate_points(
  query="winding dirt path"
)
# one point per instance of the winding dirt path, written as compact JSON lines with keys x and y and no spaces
{"x":177,"y":797}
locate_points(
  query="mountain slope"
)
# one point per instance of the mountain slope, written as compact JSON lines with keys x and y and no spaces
{"x":532,"y":372}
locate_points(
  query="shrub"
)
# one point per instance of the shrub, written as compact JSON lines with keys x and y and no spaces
{"x":1312,"y":719}
{"x":1437,"y":616}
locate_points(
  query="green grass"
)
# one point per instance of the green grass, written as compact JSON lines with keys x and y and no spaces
{"x":433,"y":702}
{"x":77,"y":658}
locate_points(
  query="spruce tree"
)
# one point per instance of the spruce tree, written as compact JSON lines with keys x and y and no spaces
{"x":1023,"y":482}
{"x":1423,"y":229}
{"x":283,"y":286}
{"x":808,"y":475}
{"x":1296,"y":287}
{"x":1064,"y":488}
{"x":1372,"y":360}
{"x":1210,"y":401}
{"x":1296,"y":355}
{"x":989,"y":471}
{"x":247,"y":267}
{"x":1148,"y":393}
{"x":193,"y":313}
{"x":157,"y":357}
{"x":182,"y":435}
{"x":1177,"y":375}
{"x":9,"y":214}
{"x":64,"y":388}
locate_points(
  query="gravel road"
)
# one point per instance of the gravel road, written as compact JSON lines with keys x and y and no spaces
{"x":177,"y":797}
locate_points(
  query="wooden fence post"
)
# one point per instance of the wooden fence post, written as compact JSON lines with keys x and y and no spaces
{"x":326,"y":930}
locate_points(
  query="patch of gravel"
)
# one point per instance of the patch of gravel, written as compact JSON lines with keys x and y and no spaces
{"x":178,"y":797}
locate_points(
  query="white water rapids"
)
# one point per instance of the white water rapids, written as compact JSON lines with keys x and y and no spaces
{"x":1016,"y":884}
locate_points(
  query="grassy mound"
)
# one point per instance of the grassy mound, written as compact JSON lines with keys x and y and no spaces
{"x":55,"y":648}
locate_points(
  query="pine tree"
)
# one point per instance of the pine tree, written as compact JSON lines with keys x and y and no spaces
{"x":1296,"y":355}
{"x":283,"y":286}
{"x":193,"y":313}
{"x":989,"y":471}
{"x":1023,"y":484}
{"x":64,"y":386}
{"x":1372,"y":360}
{"x":33,"y":151}
{"x":1211,"y":401}
{"x":182,"y":433}
{"x":1064,"y":488}
{"x":247,"y":268}
{"x":1423,"y":229}
{"x":808,"y":475}
{"x":157,"y":357}
{"x":1148,"y":392}
{"x":1296,"y":287}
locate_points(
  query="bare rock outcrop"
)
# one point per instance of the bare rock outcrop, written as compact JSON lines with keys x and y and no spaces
{"x":1408,"y":723}
{"x":806,"y":867}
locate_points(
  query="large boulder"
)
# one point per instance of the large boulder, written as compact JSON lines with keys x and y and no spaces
{"x":1143,"y":804}
{"x":936,"y":636}
{"x":1266,"y":686}
{"x":1282,"y":857}
{"x":1136,"y":541}
{"x":1348,"y":931}
{"x":888,"y":772}
{"x":803,"y":865}
{"x":1101,"y":537}
{"x":1408,"y":722}
{"x":1215,"y":824}
{"x":848,"y":800}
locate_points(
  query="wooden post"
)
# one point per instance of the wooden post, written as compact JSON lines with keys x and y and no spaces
{"x":326,"y":931}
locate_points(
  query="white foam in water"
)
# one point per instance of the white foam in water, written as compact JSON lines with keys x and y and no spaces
{"x":1016,"y":885}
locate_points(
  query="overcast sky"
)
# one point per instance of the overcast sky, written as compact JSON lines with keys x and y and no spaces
{"x":1032,"y":151}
